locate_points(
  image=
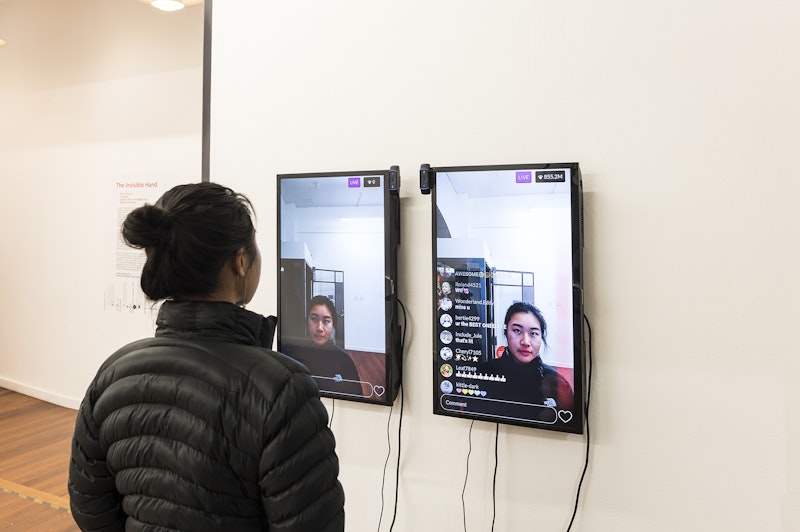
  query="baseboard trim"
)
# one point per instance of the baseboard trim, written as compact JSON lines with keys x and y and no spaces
{"x":39,"y":393}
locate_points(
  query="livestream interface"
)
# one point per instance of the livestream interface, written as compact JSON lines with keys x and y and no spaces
{"x":504,"y":338}
{"x":331,"y":281}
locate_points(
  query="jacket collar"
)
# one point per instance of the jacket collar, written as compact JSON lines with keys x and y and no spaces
{"x":214,"y":320}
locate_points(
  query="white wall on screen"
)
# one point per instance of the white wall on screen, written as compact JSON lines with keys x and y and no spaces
{"x":355,"y":246}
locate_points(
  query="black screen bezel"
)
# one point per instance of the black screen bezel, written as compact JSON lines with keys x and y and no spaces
{"x":575,"y":425}
{"x":391,"y":235}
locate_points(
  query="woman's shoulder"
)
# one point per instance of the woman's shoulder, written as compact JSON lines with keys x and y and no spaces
{"x":221,"y":364}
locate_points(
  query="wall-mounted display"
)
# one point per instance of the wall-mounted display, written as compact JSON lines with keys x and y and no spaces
{"x":508,"y":293}
{"x":338,"y":234}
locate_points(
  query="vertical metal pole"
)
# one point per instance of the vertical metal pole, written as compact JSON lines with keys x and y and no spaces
{"x":206,"y":147}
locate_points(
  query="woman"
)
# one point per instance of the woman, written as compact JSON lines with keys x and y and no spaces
{"x":331,"y":366}
{"x":527,"y":378}
{"x":203,"y":427}
{"x":321,"y":320}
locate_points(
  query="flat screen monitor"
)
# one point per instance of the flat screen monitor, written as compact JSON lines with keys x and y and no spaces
{"x":507,"y":293}
{"x":338,"y":234}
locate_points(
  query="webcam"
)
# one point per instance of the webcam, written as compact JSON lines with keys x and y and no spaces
{"x":394,"y":178}
{"x":426,"y":179}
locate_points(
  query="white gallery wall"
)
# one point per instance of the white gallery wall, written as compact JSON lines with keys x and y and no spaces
{"x":684,"y":117}
{"x":685,"y":120}
{"x":92,"y":93}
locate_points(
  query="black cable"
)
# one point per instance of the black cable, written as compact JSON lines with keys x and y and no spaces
{"x":386,"y":463}
{"x":333,"y":411}
{"x":466,"y":475}
{"x":403,"y":337}
{"x":586,"y":417}
{"x":400,"y":422}
{"x":494,"y":477}
{"x":397,"y":471}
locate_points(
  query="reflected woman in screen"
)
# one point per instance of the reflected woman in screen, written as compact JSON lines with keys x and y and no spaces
{"x":330,"y":365}
{"x":528,"y":378}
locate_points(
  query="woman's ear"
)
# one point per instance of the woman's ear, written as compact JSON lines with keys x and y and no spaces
{"x":240,"y":262}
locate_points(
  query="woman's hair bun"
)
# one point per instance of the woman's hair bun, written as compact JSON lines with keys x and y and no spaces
{"x":145,"y":226}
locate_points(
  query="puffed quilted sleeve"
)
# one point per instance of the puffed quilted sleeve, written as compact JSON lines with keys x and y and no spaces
{"x":94,"y":500}
{"x":299,"y":468}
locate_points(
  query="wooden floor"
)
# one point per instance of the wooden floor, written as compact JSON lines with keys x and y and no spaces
{"x":35,"y":439}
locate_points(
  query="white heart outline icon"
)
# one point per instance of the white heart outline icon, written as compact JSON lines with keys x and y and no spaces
{"x":565,"y":416}
{"x":378,"y":390}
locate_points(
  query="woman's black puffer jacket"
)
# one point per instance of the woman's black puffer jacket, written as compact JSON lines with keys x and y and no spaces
{"x":201,"y":428}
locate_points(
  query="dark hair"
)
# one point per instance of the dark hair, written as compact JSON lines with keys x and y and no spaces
{"x":187,"y":236}
{"x":522,"y":306}
{"x":322,"y":300}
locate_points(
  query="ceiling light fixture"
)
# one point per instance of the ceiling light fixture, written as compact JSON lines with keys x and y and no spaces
{"x":2,"y":43}
{"x":167,"y":5}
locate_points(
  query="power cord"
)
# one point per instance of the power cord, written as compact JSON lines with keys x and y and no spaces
{"x":586,"y":417}
{"x":494,"y":476}
{"x":399,"y":429}
{"x":400,"y":422}
{"x":397,"y":468}
{"x":466,"y":475}
{"x":386,"y":463}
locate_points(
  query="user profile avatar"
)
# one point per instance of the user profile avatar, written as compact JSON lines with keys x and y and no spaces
{"x":446,"y":320}
{"x":446,"y":304}
{"x":446,"y":386}
{"x":446,"y":370}
{"x":446,"y":288}
{"x":446,"y":353}
{"x":446,"y":337}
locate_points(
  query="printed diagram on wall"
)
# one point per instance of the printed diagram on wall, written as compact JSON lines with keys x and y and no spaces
{"x":123,"y":292}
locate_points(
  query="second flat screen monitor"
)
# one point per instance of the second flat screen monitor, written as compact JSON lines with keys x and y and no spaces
{"x":508,"y":344}
{"x":337,"y":272}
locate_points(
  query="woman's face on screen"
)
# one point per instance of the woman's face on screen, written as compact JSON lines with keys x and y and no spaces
{"x":320,"y":324}
{"x":524,"y":336}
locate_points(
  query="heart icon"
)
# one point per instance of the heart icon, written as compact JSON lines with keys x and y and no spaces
{"x":378,"y":390}
{"x":483,"y":393}
{"x":458,"y":390}
{"x":565,"y":416}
